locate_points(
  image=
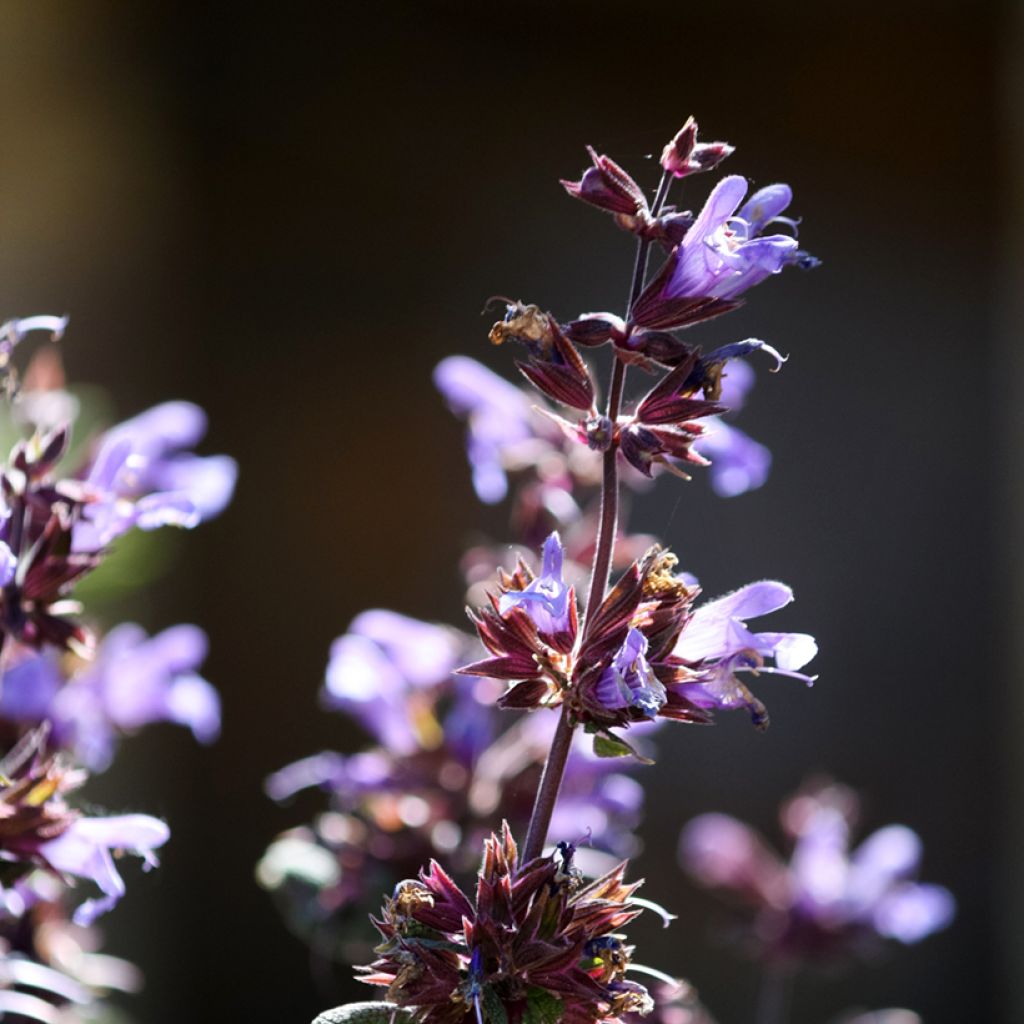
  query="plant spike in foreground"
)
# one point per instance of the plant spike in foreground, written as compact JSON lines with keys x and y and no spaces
{"x":536,"y":943}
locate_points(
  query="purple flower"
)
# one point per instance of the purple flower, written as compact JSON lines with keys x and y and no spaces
{"x":827,"y":901}
{"x":629,"y":681}
{"x":498,"y":416}
{"x":738,"y":462}
{"x":375,"y":669}
{"x":143,"y":476}
{"x":135,"y":680}
{"x":85,"y":851}
{"x":717,"y":640}
{"x":723,"y":254}
{"x":547,"y":598}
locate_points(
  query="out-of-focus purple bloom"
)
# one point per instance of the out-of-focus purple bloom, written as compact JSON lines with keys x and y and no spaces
{"x":546,"y":598}
{"x":498,"y":416}
{"x":629,"y":681}
{"x":827,"y":901}
{"x":717,"y":638}
{"x":85,"y":850}
{"x":374,"y":670}
{"x":738,"y":462}
{"x":722,"y":254}
{"x":144,"y":476}
{"x":135,"y":680}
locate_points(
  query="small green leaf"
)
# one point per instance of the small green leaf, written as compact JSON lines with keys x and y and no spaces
{"x":542,"y":1007}
{"x":607,"y":745}
{"x":494,"y":1008}
{"x":366,"y":1013}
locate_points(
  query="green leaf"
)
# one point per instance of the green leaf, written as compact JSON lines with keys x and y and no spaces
{"x":607,"y":745}
{"x":494,"y":1008}
{"x":366,"y":1013}
{"x":542,"y":1007}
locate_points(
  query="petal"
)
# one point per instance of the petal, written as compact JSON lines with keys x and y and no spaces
{"x":167,"y":427}
{"x":173,"y":508}
{"x":752,"y":262}
{"x":551,"y":567}
{"x":884,"y":860}
{"x":469,"y":386}
{"x":791,"y":650}
{"x":720,"y":851}
{"x":697,"y":267}
{"x":711,"y":632}
{"x":912,"y":912}
{"x":764,"y":206}
{"x":363,"y":682}
{"x":424,"y":653}
{"x":194,"y":703}
{"x":29,"y":688}
{"x":738,"y":462}
{"x":84,"y":850}
{"x":819,"y":864}
{"x":719,"y":206}
{"x":208,"y":481}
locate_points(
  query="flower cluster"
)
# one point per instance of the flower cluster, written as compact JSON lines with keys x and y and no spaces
{"x":648,"y":653}
{"x":69,"y":692}
{"x":536,"y":942}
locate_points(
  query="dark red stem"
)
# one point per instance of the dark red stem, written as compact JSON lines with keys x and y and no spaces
{"x":554,"y":766}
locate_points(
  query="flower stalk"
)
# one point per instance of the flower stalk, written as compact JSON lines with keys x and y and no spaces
{"x":554,"y":766}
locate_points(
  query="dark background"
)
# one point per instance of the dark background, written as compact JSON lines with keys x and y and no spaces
{"x":289,"y":215}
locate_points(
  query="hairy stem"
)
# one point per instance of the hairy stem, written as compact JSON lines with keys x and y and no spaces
{"x":550,"y":783}
{"x":554,"y":766}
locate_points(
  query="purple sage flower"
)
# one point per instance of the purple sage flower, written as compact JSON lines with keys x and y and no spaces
{"x":723,"y":254}
{"x":629,"y":681}
{"x":738,"y":462}
{"x":547,"y":598}
{"x":498,"y":415}
{"x":85,"y":850}
{"x":134,"y":680}
{"x":143,"y":475}
{"x":828,"y":901}
{"x":375,"y":669}
{"x":717,"y":640}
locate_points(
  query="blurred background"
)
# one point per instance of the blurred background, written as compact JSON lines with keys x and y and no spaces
{"x":289,"y":215}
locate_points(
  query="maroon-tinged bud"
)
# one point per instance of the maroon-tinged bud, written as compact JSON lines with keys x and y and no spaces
{"x":645,"y":446}
{"x":530,"y":693}
{"x":608,"y":187}
{"x":661,"y":347}
{"x":684,"y":155}
{"x":670,"y":228}
{"x":676,"y":155}
{"x":670,"y":401}
{"x":560,"y":372}
{"x":708,"y":155}
{"x":595,"y":329}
